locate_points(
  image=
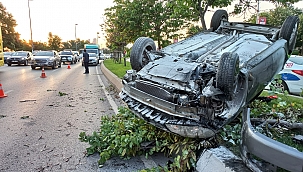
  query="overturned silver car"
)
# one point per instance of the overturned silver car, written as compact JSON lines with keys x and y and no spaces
{"x":196,"y":86}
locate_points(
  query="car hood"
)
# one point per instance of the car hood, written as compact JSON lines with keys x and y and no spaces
{"x":17,"y":56}
{"x":176,"y":69}
{"x":43,"y":57}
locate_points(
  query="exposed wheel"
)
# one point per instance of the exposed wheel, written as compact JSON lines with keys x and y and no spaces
{"x":283,"y":86}
{"x":289,"y":31}
{"x":25,"y":63}
{"x":139,"y":53}
{"x":59,"y":66}
{"x":9,"y":64}
{"x":216,"y":19}
{"x":33,"y":67}
{"x":227,"y":74}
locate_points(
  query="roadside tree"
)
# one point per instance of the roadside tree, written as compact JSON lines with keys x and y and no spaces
{"x":276,"y":17}
{"x":54,"y":42}
{"x":159,"y":20}
{"x":11,"y":38}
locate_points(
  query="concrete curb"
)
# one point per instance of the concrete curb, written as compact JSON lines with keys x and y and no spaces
{"x":116,"y":81}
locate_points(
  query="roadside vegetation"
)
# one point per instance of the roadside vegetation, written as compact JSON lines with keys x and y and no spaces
{"x":126,"y":135}
{"x":119,"y":69}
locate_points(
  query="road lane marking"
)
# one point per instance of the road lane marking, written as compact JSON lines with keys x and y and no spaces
{"x":108,"y":96}
{"x":8,"y":91}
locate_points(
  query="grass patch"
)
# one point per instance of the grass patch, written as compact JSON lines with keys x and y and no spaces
{"x":117,"y":68}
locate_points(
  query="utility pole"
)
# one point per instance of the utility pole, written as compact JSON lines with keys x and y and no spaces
{"x":30,"y":25}
{"x":258,"y":10}
{"x":76,"y":36}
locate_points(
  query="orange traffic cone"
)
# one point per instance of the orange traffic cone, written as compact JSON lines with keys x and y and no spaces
{"x":43,"y":75}
{"x":2,"y":95}
{"x":68,"y":67}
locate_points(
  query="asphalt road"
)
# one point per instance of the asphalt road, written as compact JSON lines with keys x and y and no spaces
{"x":39,"y":129}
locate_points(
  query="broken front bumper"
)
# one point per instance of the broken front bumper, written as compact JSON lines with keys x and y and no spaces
{"x":269,"y":150}
{"x":146,"y":107}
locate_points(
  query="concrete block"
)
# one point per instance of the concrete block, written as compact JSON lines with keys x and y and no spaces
{"x":220,"y":160}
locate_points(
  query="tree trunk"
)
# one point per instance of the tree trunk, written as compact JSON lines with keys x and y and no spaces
{"x":202,"y":12}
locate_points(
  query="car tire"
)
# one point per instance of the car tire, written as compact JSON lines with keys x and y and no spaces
{"x":139,"y":53}
{"x":216,"y":19}
{"x":59,"y":65}
{"x":283,"y":86}
{"x":227,"y":74}
{"x":54,"y":65}
{"x":25,"y":63}
{"x":9,"y":64}
{"x":33,"y":67}
{"x":289,"y":31}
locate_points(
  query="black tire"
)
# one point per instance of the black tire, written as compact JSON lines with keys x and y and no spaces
{"x":289,"y":31}
{"x":59,"y":66}
{"x":54,"y":65}
{"x":283,"y":86}
{"x":33,"y":67}
{"x":25,"y":63}
{"x":9,"y":64}
{"x":216,"y":19}
{"x":227,"y":74}
{"x":139,"y":52}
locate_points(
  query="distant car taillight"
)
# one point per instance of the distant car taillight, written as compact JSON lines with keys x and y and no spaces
{"x":299,"y":72}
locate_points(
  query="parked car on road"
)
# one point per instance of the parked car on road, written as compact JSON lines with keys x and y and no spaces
{"x":77,"y":56}
{"x":68,"y":57}
{"x":49,"y":58}
{"x":7,"y":54}
{"x":19,"y":57}
{"x":292,"y":76}
{"x":93,"y":59}
{"x":198,"y":85}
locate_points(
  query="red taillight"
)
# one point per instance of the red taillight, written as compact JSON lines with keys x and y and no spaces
{"x":299,"y":72}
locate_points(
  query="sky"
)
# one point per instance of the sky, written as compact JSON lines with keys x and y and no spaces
{"x":60,"y":17}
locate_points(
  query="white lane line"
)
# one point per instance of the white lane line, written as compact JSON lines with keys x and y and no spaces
{"x":108,"y":96}
{"x":8,"y":91}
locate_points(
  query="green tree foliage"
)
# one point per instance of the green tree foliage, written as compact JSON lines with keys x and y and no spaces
{"x":71,"y":44}
{"x":54,"y":42}
{"x":11,"y":38}
{"x":245,"y":5}
{"x":277,"y":16}
{"x":159,"y":20}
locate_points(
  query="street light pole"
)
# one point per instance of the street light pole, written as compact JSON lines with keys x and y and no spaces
{"x":76,"y":36}
{"x":30,"y":25}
